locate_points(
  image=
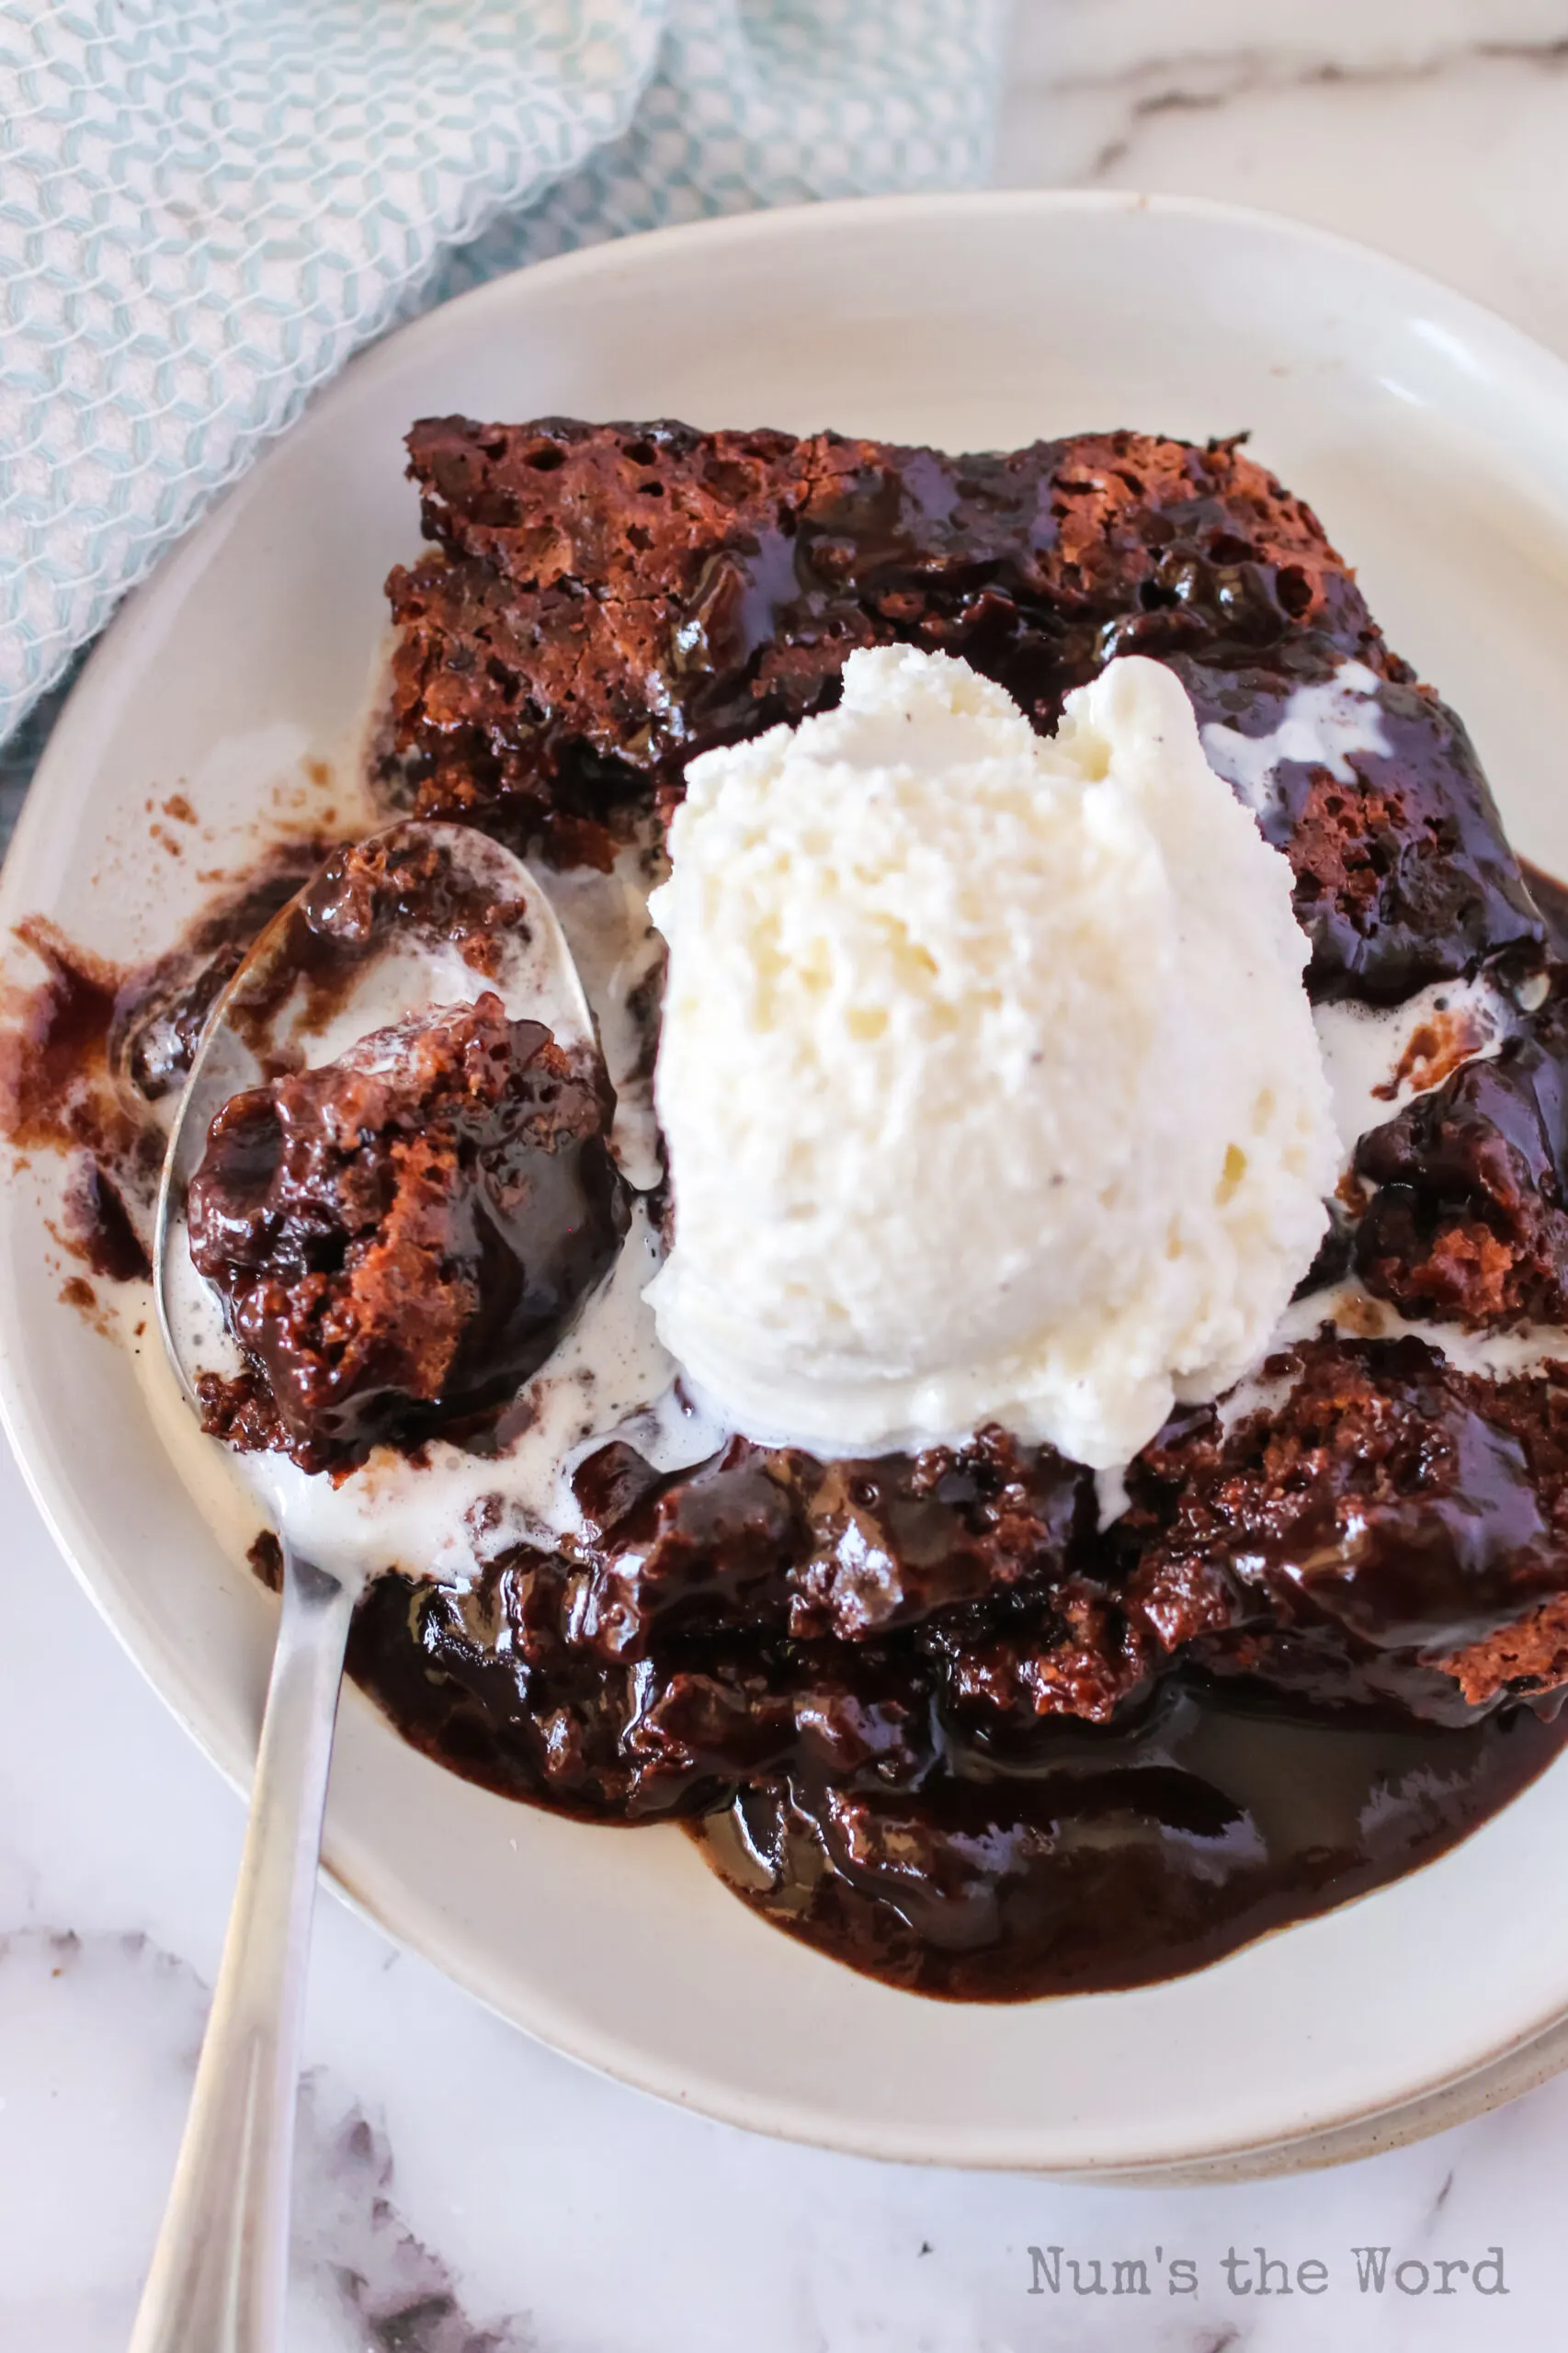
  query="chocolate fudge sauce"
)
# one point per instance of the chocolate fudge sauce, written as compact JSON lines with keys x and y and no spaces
{"x":1125,"y":1859}
{"x":1101,"y":1856}
{"x":912,"y":1715}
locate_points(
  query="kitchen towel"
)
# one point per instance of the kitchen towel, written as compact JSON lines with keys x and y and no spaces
{"x":205,"y":205}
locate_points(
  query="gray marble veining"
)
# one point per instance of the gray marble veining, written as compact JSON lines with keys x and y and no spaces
{"x":1432,"y":127}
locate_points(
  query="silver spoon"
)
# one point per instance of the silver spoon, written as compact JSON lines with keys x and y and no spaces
{"x":219,"y":2270}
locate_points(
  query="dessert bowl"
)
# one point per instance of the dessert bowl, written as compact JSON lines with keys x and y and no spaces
{"x":230,"y":702}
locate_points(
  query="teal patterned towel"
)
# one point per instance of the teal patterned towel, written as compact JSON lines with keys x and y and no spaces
{"x":205,"y":205}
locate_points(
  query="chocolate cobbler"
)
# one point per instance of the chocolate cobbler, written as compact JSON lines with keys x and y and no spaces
{"x":398,"y":1238}
{"x":957,"y":1716}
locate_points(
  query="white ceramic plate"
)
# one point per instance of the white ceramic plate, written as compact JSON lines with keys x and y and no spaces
{"x":1434,"y":441}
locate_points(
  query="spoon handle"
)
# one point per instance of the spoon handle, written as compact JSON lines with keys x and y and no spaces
{"x":220,"y":2270}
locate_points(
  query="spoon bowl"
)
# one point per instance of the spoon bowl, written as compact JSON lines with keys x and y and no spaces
{"x":280,"y":1011}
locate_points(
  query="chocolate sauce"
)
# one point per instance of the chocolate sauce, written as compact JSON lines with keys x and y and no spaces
{"x":1402,"y":877}
{"x":99,"y":1228}
{"x":1387,"y":1532}
{"x":1126,"y":1859}
{"x":86,"y":1050}
{"x":923,"y":1715}
{"x":611,"y":599}
{"x":1469,"y":1222}
{"x":54,"y":1049}
{"x":362,"y":896}
{"x":58,"y":1092}
{"x":160,"y":1007}
{"x":1088,"y":1858}
{"x":399,"y":1237}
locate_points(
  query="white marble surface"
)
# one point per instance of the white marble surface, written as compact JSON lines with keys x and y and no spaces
{"x":1434,"y":129}
{"x":464,"y":2191}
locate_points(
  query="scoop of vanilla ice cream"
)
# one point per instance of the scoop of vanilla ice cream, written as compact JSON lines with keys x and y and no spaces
{"x":988,"y":1078}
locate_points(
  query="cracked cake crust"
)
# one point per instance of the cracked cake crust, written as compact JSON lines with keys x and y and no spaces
{"x":607,"y":601}
{"x":398,"y":1237}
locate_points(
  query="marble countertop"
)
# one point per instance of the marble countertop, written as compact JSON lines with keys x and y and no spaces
{"x":462,"y":2191}
{"x":1432,"y":127}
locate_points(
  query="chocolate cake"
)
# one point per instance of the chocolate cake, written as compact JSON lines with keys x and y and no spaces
{"x":399,"y":1237}
{"x":607,"y":600}
{"x":919,"y":1703}
{"x":955,"y":1717}
{"x":1371,"y":1537}
{"x":1470,"y":1219}
{"x":923,"y":1714}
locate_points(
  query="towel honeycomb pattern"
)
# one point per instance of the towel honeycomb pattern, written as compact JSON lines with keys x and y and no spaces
{"x":205,"y":205}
